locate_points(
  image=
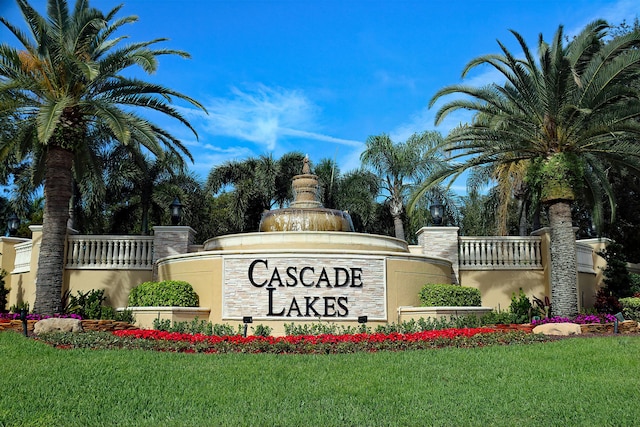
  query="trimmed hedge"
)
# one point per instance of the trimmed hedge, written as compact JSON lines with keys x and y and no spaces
{"x":167,"y":293}
{"x":631,"y":308}
{"x":442,"y":295}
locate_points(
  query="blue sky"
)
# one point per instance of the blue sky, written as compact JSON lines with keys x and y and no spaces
{"x":321,"y":76}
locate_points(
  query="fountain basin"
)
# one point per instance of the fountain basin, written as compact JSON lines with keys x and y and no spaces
{"x":306,"y":240}
{"x":310,"y":219}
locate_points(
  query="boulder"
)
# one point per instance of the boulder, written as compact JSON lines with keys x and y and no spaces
{"x":55,"y":324}
{"x":558,"y":329}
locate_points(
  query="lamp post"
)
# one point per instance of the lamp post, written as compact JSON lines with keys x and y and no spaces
{"x":437,"y":213}
{"x":13,"y":223}
{"x":176,"y":211}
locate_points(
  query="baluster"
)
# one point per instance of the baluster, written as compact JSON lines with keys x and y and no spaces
{"x":138,"y":258}
{"x":75,"y":248}
{"x":499,"y":245}
{"x":120,"y":252}
{"x":109,"y":253}
{"x":150,"y":250}
{"x":464,"y":252}
{"x":100,"y":252}
{"x":127,"y":257}
{"x":485,"y":252}
{"x":115,"y":252}
{"x":84,"y":252}
{"x":92,"y":253}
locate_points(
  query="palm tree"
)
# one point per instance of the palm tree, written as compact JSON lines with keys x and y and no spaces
{"x":354,"y":192}
{"x":147,"y":185}
{"x":568,"y":116}
{"x":65,"y":83}
{"x":399,"y":166}
{"x":258,"y":184}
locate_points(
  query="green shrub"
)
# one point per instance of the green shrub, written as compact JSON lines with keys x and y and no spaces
{"x":89,"y":305}
{"x":498,"y":318}
{"x":261,"y":330}
{"x":617,"y":279}
{"x":434,"y":295}
{"x":163,"y":294}
{"x":631,"y":308}
{"x":196,"y":327}
{"x":635,"y":283}
{"x":521,"y":307}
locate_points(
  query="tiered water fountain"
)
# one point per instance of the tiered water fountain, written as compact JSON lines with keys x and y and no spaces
{"x":305,"y":213}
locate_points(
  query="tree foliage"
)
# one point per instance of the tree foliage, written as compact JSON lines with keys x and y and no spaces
{"x":63,"y":87}
{"x":566,"y":116}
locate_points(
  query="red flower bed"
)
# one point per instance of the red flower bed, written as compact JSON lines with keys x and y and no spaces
{"x":468,"y":337}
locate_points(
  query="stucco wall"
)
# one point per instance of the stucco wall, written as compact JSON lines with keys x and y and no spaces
{"x":116,"y":283}
{"x":497,"y":286}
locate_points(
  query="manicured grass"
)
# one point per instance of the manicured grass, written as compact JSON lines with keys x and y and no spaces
{"x":594,"y":382}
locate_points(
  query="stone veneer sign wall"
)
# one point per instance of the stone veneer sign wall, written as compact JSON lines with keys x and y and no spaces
{"x":304,"y":287}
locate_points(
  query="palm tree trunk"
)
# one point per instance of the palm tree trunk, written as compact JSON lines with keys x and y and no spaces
{"x":398,"y":227}
{"x":396,"y":208}
{"x":57,"y":193}
{"x":564,"y":270}
{"x":522,"y":224}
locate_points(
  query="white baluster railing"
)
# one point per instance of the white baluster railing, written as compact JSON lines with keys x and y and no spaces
{"x":504,"y":252}
{"x":110,"y":252}
{"x":22,"y":263}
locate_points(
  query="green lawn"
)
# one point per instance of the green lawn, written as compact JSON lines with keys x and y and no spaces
{"x":580,"y":382}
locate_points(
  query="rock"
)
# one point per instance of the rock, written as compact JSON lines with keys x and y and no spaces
{"x":558,"y":329}
{"x":55,"y":324}
{"x":628,"y":327}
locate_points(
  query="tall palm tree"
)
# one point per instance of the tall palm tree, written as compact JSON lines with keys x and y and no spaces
{"x":401,"y":165}
{"x":569,"y":115}
{"x":65,"y":82}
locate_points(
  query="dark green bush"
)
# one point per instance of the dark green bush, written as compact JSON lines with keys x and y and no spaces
{"x":521,"y":307}
{"x":434,"y":295}
{"x":498,"y":318}
{"x":87,"y":305}
{"x":631,"y":308}
{"x":635,"y":283}
{"x":617,"y":279}
{"x":261,"y":330}
{"x":163,"y":294}
{"x":90,"y":305}
{"x":196,"y":326}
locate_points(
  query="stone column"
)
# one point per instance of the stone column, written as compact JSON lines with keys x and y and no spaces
{"x":170,"y":240}
{"x":441,"y":242}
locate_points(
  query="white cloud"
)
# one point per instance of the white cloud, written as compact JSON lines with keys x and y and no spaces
{"x":263,"y":116}
{"x":395,"y":80}
{"x":614,"y":13}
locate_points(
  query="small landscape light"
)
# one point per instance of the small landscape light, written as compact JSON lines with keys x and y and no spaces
{"x":23,"y":317}
{"x":246,"y":320}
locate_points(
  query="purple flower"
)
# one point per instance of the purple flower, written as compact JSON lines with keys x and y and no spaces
{"x":579,"y":319}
